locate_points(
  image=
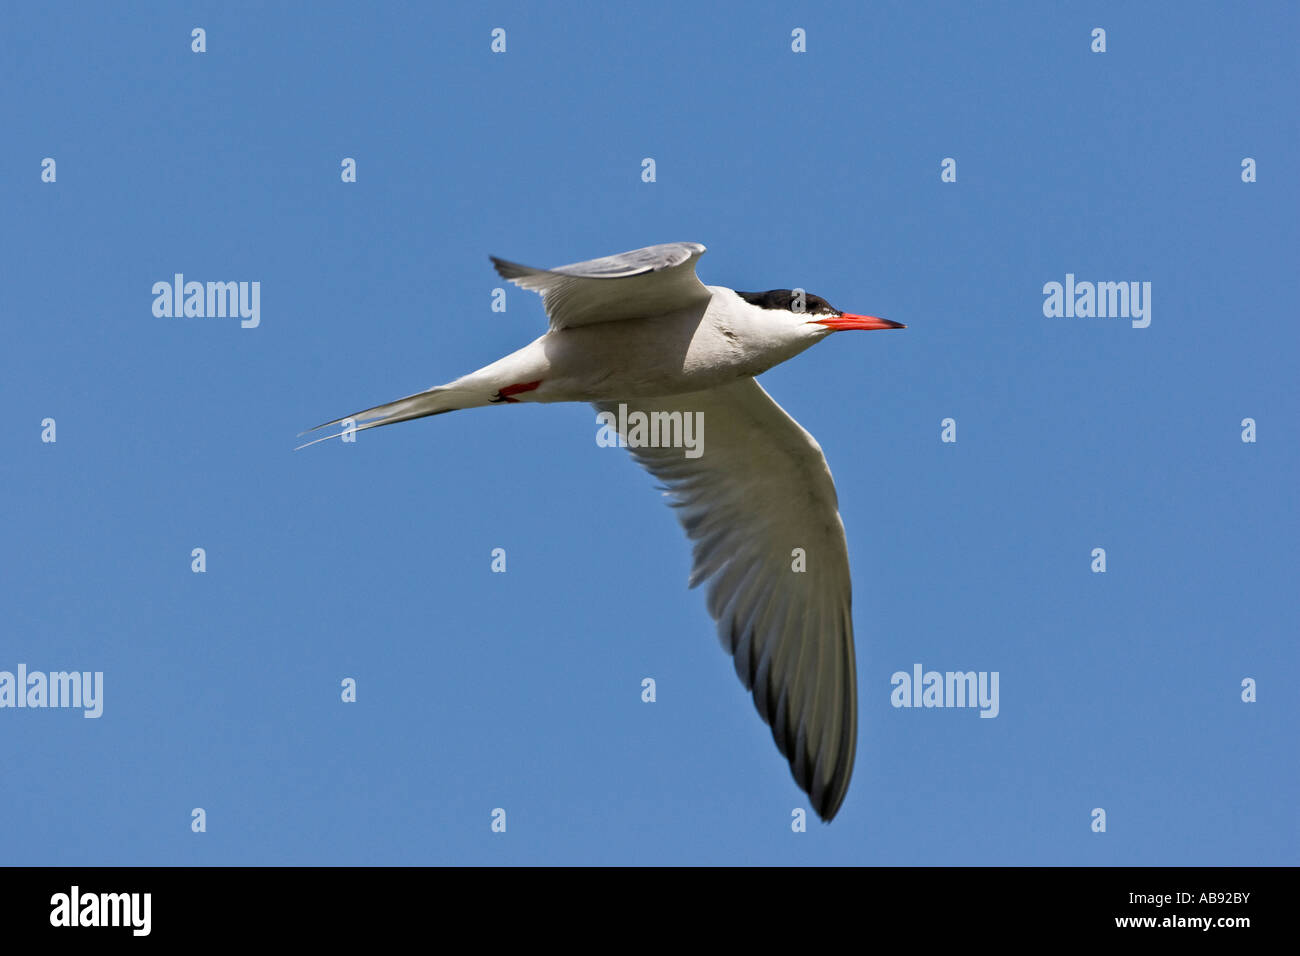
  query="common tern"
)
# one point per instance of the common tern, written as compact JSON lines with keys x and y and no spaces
{"x":639,"y":331}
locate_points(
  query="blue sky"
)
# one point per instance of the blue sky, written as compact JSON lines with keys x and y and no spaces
{"x":521,"y":690}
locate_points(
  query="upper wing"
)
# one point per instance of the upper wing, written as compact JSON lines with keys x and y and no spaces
{"x":650,"y":281}
{"x":759,"y":490}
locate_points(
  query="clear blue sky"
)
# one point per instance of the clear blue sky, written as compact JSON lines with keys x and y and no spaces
{"x":522,"y":690}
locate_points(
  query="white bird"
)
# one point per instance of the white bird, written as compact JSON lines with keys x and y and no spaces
{"x":640,"y":330}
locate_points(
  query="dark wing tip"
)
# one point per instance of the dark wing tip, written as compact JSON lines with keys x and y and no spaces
{"x":832,"y":801}
{"x":509,"y":270}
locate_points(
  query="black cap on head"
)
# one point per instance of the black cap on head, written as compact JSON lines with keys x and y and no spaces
{"x":789,"y":300}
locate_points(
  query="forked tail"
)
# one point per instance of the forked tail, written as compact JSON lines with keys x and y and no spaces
{"x":433,"y":401}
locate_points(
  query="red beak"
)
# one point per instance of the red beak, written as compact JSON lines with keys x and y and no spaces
{"x":847,"y":320}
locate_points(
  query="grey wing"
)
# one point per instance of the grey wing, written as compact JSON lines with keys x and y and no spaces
{"x":645,"y":282}
{"x":759,"y":490}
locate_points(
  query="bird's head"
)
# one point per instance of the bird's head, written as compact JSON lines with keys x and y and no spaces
{"x":812,"y":315}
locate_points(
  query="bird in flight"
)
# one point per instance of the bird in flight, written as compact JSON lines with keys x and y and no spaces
{"x":639,"y":330}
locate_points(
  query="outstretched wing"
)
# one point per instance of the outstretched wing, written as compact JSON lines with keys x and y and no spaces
{"x":759,"y":490}
{"x":652,"y":281}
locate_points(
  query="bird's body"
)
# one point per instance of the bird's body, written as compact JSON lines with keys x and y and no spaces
{"x":639,"y":330}
{"x":689,"y":350}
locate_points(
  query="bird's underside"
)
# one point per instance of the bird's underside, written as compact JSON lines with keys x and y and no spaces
{"x":758,"y":503}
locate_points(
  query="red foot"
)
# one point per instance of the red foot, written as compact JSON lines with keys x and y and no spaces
{"x":505,"y":393}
